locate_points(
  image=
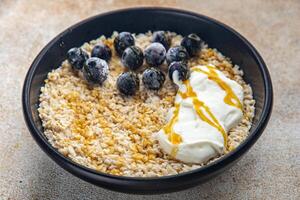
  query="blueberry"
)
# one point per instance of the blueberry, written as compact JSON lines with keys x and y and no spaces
{"x":181,"y":68}
{"x":192,"y":43}
{"x":177,"y":53}
{"x":155,"y":54}
{"x":162,"y":37}
{"x":122,"y":41}
{"x":101,"y":51}
{"x":76,"y":57}
{"x":95,"y":70}
{"x":153,"y":78}
{"x":133,"y":57}
{"x":128,"y":83}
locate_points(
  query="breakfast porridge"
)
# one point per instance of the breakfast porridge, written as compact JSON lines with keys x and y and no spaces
{"x":146,"y":105}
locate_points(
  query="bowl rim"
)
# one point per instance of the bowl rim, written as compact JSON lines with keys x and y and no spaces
{"x":210,"y":168}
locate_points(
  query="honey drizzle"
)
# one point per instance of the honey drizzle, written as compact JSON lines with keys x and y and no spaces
{"x":174,"y":151}
{"x":211,"y":120}
{"x":175,"y":138}
{"x":230,"y":96}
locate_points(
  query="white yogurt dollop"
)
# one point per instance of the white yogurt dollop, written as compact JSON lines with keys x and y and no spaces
{"x":207,"y":106}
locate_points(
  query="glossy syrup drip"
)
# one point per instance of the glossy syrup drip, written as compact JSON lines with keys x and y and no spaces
{"x":199,"y":106}
{"x":230,"y":98}
{"x":173,"y":137}
{"x":174,"y":151}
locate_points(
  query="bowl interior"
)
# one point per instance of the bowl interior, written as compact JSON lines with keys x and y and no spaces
{"x":215,"y":35}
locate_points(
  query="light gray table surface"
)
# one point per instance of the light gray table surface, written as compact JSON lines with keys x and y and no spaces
{"x":270,"y":170}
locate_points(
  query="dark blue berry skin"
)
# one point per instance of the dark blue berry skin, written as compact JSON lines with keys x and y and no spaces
{"x":155,"y":54}
{"x":163,"y":38}
{"x":153,"y":78}
{"x":182,"y":69}
{"x":177,"y":53}
{"x":128,"y":83}
{"x":77,"y":57}
{"x":192,"y":43}
{"x":95,"y":70}
{"x":132,"y":57}
{"x":101,"y":51}
{"x":122,"y":41}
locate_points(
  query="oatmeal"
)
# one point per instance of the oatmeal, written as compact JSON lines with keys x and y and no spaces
{"x":98,"y":127}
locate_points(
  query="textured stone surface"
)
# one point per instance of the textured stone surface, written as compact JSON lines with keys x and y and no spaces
{"x":271,"y":170}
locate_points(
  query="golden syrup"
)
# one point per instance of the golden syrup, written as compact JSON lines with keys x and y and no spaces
{"x":230,"y":98}
{"x":199,"y":106}
{"x":174,"y":151}
{"x":173,"y":137}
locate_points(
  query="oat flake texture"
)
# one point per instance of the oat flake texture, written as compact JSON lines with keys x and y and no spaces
{"x":97,"y":127}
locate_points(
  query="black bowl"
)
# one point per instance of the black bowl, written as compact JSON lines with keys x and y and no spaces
{"x":140,"y":20}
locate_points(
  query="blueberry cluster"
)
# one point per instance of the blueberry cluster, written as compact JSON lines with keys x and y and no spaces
{"x":178,"y":56}
{"x":132,"y":57}
{"x":95,"y":69}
